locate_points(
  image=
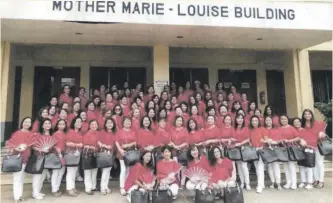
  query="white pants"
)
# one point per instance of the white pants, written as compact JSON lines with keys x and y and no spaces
{"x":105,"y":178}
{"x":123,"y":173}
{"x":274,"y":172}
{"x":90,"y":179}
{"x":290,"y":172}
{"x":319,"y":169}
{"x":243,"y":172}
{"x":173,"y":189}
{"x":70,"y":177}
{"x":306,"y":174}
{"x":18,"y":181}
{"x":56,"y":178}
{"x":260,"y":173}
{"x":37,"y":182}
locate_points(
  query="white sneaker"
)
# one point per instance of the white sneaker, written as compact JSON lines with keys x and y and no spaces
{"x":79,"y":178}
{"x":286,"y":186}
{"x":272,"y":186}
{"x":279,"y":186}
{"x":38,"y":197}
{"x":294,"y":187}
{"x":42,"y":194}
{"x":122,"y":192}
{"x":241,"y":186}
{"x":259,"y":190}
{"x":308,"y":186}
{"x":301,"y":185}
{"x":248,"y":187}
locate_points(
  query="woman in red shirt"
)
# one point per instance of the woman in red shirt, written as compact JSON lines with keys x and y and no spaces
{"x":179,"y":136}
{"x":91,"y":113}
{"x":57,"y":174}
{"x":182,"y":97}
{"x":140,"y":176}
{"x":124,"y":105}
{"x":145,"y":135}
{"x":167,"y":172}
{"x":105,"y":142}
{"x":196,"y":161}
{"x":163,"y":98}
{"x":136,"y":119}
{"x":223,"y":111}
{"x":257,"y":112}
{"x":23,"y":140}
{"x":201,"y":104}
{"x":244,"y":102}
{"x":256,"y":139}
{"x":269,"y":111}
{"x":230,"y":101}
{"x":106,"y":113}
{"x":53,"y":115}
{"x":151,"y":114}
{"x":149,"y":95}
{"x":212,"y":133}
{"x":63,"y":114}
{"x":235,"y":107}
{"x":126,"y":140}
{"x":219,"y":100}
{"x":73,"y":142}
{"x":242,"y":136}
{"x":221,"y":170}
{"x":174,"y":102}
{"x":237,"y":96}
{"x":117,"y":115}
{"x":82,"y":95}
{"x":196,"y":136}
{"x":162,"y":135}
{"x":85,"y":124}
{"x":188,"y":89}
{"x":317,"y":130}
{"x":290,"y":135}
{"x":90,"y":146}
{"x":65,"y":97}
{"x":42,"y":115}
{"x":44,"y":131}
{"x":75,"y":112}
{"x":227,"y":131}
{"x":308,"y":141}
{"x":272,"y":136}
{"x":194,"y":113}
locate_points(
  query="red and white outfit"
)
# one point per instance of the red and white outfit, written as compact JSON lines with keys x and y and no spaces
{"x":242,"y":134}
{"x":57,"y":174}
{"x":256,"y":135}
{"x":221,"y":173}
{"x":166,"y":169}
{"x":203,"y":164}
{"x":90,"y":175}
{"x":66,"y":98}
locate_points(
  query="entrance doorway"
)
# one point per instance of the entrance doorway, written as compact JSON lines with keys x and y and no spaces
{"x":244,"y":80}
{"x":117,"y":76}
{"x":49,"y":81}
{"x":276,"y":91}
{"x":182,"y":75}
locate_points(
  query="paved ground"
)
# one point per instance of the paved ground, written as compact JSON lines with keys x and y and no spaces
{"x":268,"y":196}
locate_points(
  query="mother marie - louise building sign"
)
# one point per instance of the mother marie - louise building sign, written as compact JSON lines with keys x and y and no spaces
{"x":260,"y":14}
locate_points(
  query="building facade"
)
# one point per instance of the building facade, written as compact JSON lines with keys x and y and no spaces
{"x":278,"y":52}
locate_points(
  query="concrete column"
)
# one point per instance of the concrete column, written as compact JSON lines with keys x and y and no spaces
{"x":7,"y":90}
{"x":297,"y":77}
{"x":213,"y":77}
{"x":84,"y":75}
{"x":161,"y":66}
{"x":261,"y":85}
{"x":27,"y":89}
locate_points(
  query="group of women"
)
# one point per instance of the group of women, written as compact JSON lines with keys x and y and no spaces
{"x":197,"y":121}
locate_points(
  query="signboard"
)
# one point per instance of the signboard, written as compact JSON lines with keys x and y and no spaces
{"x":229,"y":13}
{"x":159,"y":85}
{"x":245,"y":85}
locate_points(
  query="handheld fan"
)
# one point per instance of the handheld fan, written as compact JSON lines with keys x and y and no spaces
{"x":46,"y":143}
{"x":197,"y":174}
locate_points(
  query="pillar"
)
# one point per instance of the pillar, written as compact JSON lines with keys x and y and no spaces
{"x":84,"y":76}
{"x":297,"y":78}
{"x":161,"y":67}
{"x":261,"y":86}
{"x":7,"y":90}
{"x":27,"y":89}
{"x":213,"y":77}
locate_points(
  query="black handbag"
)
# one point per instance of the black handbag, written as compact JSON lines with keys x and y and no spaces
{"x":12,"y":163}
{"x":182,"y":157}
{"x":282,"y":154}
{"x":310,"y":158}
{"x":139,"y":197}
{"x":233,"y":153}
{"x":104,"y":159}
{"x":233,"y":194}
{"x":249,"y":153}
{"x":72,"y":158}
{"x":131,"y":157}
{"x":88,"y":161}
{"x":35,"y":164}
{"x":204,"y":196}
{"x":161,"y":196}
{"x":52,"y":161}
{"x":296,"y":153}
{"x":268,"y":155}
{"x":325,"y":146}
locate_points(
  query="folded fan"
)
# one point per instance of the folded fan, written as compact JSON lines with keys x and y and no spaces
{"x":46,"y":143}
{"x":197,"y":174}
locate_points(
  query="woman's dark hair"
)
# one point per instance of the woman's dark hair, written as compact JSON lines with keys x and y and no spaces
{"x":115,"y":91}
{"x":184,"y":103}
{"x":90,"y":102}
{"x":188,"y":125}
{"x":189,"y":100}
{"x":82,"y":88}
{"x":284,"y":116}
{"x":195,"y":96}
{"x":79,"y":114}
{"x":237,"y":112}
{"x":91,"y":122}
{"x":150,"y":164}
{"x":153,"y":118}
{"x":296,"y":118}
{"x":40,"y":127}
{"x":74,"y":105}
{"x":217,"y":86}
{"x":154,"y":96}
{"x":114,"y":128}
{"x":165,"y":102}
{"x":233,"y":110}
{"x":167,"y":147}
{"x":25,"y":118}
{"x":159,"y":111}
{"x":122,"y":97}
{"x":136,"y":98}
{"x":130,"y":93}
{"x":53,"y":96}
{"x":211,"y":97}
{"x":124,"y":119}
{"x":236,"y":124}
{"x":211,"y":156}
{"x":251,"y":102}
{"x":250,"y":124}
{"x":303,"y":118}
{"x":141,"y":122}
{"x":56,"y":128}
{"x":72,"y":126}
{"x":228,"y":115}
{"x":222,"y":105}
{"x":114,"y":110}
{"x":63,"y":88}
{"x":210,"y":116}
{"x":190,"y":111}
{"x":39,"y":115}
{"x":272,"y":110}
{"x":208,"y":109}
{"x":191,"y":147}
{"x":95,"y":97}
{"x":147,"y":105}
{"x":174,"y":122}
{"x":273,"y":126}
{"x":63,"y":110}
{"x":149,"y":86}
{"x":105,"y":110}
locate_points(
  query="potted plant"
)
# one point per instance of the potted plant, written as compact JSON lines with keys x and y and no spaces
{"x":326,"y":110}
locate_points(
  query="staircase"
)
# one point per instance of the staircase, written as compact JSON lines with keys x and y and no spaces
{"x":6,"y":178}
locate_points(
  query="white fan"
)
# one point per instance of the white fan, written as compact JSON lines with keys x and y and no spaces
{"x":197,"y":174}
{"x":46,"y":143}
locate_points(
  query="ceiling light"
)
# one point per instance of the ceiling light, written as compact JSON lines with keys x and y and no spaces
{"x":259,"y":38}
{"x":180,"y":37}
{"x":78,"y":33}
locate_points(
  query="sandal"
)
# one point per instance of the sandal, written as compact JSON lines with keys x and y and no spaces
{"x":319,"y":185}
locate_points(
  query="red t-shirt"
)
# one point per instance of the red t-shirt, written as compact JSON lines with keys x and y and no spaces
{"x":60,"y":136}
{"x":273,"y":134}
{"x":162,"y":136}
{"x":200,"y":121}
{"x":212,"y":133}
{"x":107,"y":138}
{"x":164,"y":168}
{"x":75,"y":137}
{"x":126,"y":137}
{"x":90,"y":138}
{"x":145,"y":138}
{"x":118,"y":119}
{"x":288,"y":132}
{"x":135,"y":173}
{"x":20,"y":137}
{"x":311,"y":139}
{"x":91,"y":115}
{"x":196,"y":137}
{"x":256,"y":135}
{"x":179,"y":136}
{"x":135,"y":124}
{"x":222,"y":171}
{"x":227,"y":133}
{"x":65,"y":98}
{"x":183,"y":98}
{"x":242,"y":134}
{"x":203,"y":163}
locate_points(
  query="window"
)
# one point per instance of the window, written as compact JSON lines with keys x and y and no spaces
{"x":322,"y":85}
